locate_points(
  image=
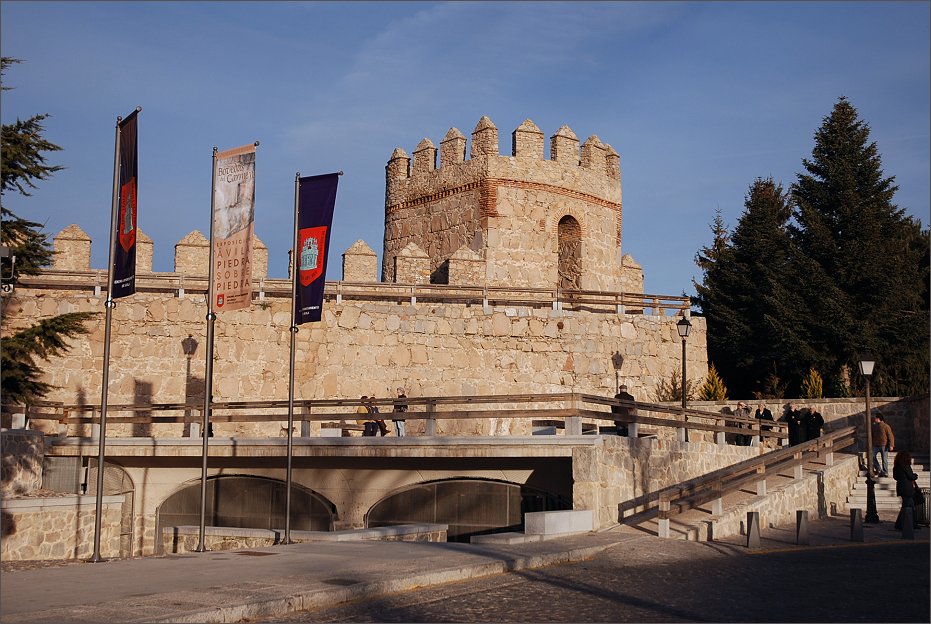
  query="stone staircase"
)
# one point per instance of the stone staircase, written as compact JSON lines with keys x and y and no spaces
{"x":884,"y":488}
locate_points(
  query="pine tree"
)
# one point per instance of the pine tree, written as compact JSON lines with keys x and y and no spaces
{"x":864,"y":261}
{"x":715,"y":297}
{"x":23,"y":165}
{"x":713,"y":388}
{"x":750,"y":299}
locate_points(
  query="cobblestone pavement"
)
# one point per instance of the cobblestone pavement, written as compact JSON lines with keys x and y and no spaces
{"x":680,"y":582}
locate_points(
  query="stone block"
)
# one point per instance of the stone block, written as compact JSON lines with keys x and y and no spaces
{"x":558,"y":522}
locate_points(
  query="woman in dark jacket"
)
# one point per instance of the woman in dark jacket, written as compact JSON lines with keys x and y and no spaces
{"x":905,"y":487}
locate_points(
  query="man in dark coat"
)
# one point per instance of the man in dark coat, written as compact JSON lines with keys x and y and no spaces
{"x":620,"y":426}
{"x":793,"y":418}
{"x":762,"y":413}
{"x":813,"y":423}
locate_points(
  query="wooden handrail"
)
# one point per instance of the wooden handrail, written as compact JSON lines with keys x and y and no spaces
{"x":505,"y":406}
{"x":723,"y":481}
{"x":503,"y":295}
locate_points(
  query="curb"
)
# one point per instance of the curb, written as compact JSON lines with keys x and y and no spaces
{"x":324,"y":596}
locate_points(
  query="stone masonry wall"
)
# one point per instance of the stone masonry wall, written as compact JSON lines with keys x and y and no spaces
{"x":360,"y":348}
{"x":620,"y":470}
{"x":58,"y":527}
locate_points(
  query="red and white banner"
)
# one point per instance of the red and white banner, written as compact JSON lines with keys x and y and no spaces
{"x":233,"y":228}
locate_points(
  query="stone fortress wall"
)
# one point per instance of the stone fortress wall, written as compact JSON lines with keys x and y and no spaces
{"x":486,"y":221}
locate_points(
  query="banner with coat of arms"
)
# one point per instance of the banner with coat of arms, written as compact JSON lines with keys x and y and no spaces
{"x":315,"y":202}
{"x":124,"y":247}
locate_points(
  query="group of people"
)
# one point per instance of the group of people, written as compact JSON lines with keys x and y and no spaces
{"x":373,"y":426}
{"x":804,"y":423}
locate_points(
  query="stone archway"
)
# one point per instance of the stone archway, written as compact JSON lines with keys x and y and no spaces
{"x":569,"y":241}
{"x":247,"y":502}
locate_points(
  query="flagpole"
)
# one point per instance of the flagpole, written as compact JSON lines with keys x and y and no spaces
{"x":294,"y":277}
{"x":208,"y":372}
{"x":109,"y":305}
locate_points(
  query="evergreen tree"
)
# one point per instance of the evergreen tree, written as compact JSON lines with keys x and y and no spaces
{"x":23,"y":164}
{"x":713,"y":389}
{"x":871,"y":257}
{"x":715,"y":296}
{"x":753,"y":309}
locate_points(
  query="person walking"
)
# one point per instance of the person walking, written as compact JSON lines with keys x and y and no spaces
{"x":905,"y":485}
{"x":400,"y":408}
{"x":762,"y":413}
{"x":883,"y":442}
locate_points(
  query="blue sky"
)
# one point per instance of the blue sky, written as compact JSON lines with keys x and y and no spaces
{"x":698,"y":98}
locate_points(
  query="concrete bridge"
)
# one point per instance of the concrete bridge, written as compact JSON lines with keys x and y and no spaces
{"x":473,"y":484}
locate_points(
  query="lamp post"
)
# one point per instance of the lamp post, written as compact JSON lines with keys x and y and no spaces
{"x":867,"y":363}
{"x":189,"y":346}
{"x":684,"y":327}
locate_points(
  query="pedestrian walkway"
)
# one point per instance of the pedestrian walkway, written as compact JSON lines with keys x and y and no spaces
{"x":231,"y":586}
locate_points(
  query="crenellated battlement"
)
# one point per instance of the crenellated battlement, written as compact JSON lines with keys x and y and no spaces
{"x":533,"y":221}
{"x":527,"y":142}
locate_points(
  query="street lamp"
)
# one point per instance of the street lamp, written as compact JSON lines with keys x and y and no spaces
{"x":684,"y":327}
{"x":188,"y":346}
{"x":867,"y":362}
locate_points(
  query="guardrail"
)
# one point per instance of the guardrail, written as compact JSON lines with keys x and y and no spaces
{"x":555,"y":298}
{"x":713,"y":486}
{"x":573,"y":409}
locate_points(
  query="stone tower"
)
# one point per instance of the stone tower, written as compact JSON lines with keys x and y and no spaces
{"x":531,"y":221}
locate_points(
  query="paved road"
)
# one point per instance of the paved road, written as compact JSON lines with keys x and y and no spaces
{"x":681,"y":582}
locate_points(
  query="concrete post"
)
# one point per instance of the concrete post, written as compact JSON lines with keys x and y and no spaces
{"x":19,"y":421}
{"x":574,"y":423}
{"x":856,"y":525}
{"x":761,"y":487}
{"x":431,"y":422}
{"x":801,"y":527}
{"x":632,"y":430}
{"x":829,"y":459}
{"x":664,"y":507}
{"x":753,"y":529}
{"x":719,"y":438}
{"x":717,"y":507}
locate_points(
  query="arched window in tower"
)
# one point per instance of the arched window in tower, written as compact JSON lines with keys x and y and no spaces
{"x":569,"y":239}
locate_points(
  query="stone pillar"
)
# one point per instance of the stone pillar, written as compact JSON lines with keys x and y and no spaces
{"x":360,"y":263}
{"x":466,"y":268}
{"x":484,"y":138}
{"x":72,"y":247}
{"x":424,"y":157}
{"x":452,"y":148}
{"x":412,"y":265}
{"x":144,"y":252}
{"x":593,"y":154}
{"x":564,"y":146}
{"x":192,"y":255}
{"x":259,"y":259}
{"x":528,"y":141}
